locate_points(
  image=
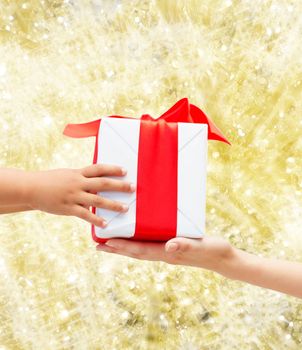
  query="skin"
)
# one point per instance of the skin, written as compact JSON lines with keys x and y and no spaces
{"x":73,"y":192}
{"x":63,"y":191}
{"x":216,"y":254}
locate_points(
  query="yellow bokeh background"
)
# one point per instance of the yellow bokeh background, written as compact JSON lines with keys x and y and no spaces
{"x":74,"y":61}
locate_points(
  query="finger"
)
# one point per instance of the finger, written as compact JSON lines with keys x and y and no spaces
{"x":88,"y":216}
{"x":86,"y":206}
{"x":140,"y":250}
{"x":104,"y":248}
{"x":94,"y":200}
{"x":106,"y":184}
{"x":96,"y":170}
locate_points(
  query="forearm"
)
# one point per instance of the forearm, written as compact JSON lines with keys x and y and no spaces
{"x":15,"y":188}
{"x":8,"y":209}
{"x":282,"y":276}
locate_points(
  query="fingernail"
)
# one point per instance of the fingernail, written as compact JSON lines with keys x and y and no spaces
{"x":172,"y":247}
{"x":111,"y":244}
{"x":125,"y":207}
{"x":124,"y":171}
{"x":132,"y":187}
{"x":104,"y":223}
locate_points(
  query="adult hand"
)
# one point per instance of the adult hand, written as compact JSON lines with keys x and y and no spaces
{"x":211,"y":253}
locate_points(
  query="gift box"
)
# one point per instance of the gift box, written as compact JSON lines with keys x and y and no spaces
{"x":166,"y":159}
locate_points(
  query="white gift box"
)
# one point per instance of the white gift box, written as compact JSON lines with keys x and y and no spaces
{"x":166,"y":160}
{"x":118,"y":141}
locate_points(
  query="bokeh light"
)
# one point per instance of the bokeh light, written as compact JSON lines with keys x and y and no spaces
{"x":74,"y":61}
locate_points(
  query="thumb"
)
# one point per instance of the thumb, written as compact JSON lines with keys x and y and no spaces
{"x":177,"y":244}
{"x":171,"y":247}
{"x":182,"y":244}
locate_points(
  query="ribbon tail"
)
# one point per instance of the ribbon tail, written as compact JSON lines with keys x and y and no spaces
{"x":82,"y":130}
{"x":214,"y":133}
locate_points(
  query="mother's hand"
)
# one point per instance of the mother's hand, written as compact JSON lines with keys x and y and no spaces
{"x":211,"y":253}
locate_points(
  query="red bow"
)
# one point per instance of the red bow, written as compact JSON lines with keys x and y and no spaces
{"x":181,"y":112}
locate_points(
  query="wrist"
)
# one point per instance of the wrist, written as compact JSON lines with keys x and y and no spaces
{"x":241,"y":265}
{"x":226,"y":264}
{"x":29,"y":186}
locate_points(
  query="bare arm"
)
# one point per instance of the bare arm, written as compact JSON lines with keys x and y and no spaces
{"x":218,"y":255}
{"x":8,"y":209}
{"x":13,"y":191}
{"x":279,"y":275}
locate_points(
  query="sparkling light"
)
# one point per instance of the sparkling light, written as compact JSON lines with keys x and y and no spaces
{"x":71,"y":61}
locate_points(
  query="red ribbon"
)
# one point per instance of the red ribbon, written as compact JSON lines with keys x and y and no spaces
{"x":156,"y":202}
{"x":181,"y":112}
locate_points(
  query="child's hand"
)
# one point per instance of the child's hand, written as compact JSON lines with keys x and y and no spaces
{"x":211,"y":253}
{"x":72,"y":191}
